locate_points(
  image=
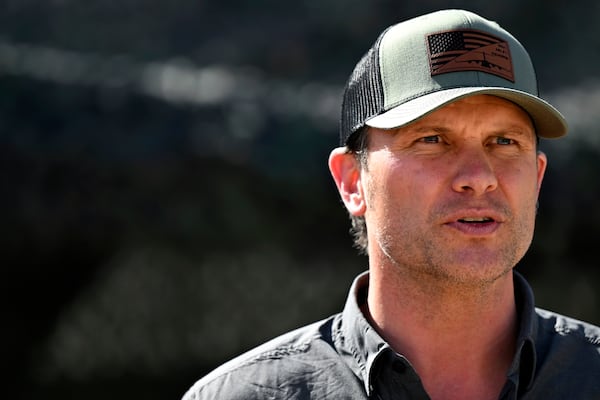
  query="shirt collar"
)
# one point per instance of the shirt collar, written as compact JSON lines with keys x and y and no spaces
{"x":359,"y":341}
{"x":362,"y":346}
{"x":524,"y":362}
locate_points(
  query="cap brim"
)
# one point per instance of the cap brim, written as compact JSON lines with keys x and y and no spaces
{"x":549,"y":122}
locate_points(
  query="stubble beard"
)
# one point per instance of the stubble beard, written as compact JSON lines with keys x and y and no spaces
{"x":427,"y":257}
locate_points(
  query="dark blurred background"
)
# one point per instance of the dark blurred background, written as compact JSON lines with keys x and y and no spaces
{"x":166,"y":201}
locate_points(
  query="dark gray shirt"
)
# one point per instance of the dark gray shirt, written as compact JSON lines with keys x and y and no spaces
{"x":343,"y":357}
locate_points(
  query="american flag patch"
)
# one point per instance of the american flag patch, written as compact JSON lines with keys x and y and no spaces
{"x":469,"y":50}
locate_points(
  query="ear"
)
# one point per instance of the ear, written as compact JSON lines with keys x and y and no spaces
{"x":542,"y":162}
{"x":346,"y":172}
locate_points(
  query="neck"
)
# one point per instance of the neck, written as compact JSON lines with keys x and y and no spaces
{"x":460,"y":338}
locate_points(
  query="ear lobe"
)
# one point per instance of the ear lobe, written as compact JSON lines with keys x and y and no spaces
{"x":346,"y":172}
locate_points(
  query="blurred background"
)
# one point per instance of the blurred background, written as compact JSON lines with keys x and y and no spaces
{"x":166,"y":202}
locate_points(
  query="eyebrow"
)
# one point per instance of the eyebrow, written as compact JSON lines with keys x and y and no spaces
{"x":513,"y":129}
{"x":424,"y":129}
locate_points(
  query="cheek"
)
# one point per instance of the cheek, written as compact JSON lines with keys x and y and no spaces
{"x":406,"y":185}
{"x":423,"y":182}
{"x":520,"y":185}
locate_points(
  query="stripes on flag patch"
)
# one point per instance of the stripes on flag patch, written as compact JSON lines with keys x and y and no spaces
{"x":469,"y":50}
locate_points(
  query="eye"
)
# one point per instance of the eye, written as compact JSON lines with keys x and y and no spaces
{"x":504,"y":141}
{"x":430,"y":139}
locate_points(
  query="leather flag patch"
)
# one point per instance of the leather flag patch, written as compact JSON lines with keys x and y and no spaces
{"x":469,"y":50}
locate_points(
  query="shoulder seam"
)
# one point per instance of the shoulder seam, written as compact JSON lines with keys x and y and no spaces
{"x":278,"y":352}
{"x":562,"y":327}
{"x":248,"y":358}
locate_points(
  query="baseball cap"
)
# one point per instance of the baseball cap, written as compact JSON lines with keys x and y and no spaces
{"x":424,"y":63}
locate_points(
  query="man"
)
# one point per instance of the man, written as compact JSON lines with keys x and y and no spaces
{"x":440,"y":173}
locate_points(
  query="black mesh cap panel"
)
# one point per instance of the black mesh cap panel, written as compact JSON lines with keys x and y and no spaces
{"x":363,"y":96}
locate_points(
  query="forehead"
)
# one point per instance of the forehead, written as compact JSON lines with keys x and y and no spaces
{"x":477,"y":114}
{"x":484,"y":115}
{"x":506,"y":114}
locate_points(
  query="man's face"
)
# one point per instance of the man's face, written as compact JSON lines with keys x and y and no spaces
{"x":454,"y":195}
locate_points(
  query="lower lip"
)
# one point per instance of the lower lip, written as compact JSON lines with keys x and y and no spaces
{"x":475,"y":228}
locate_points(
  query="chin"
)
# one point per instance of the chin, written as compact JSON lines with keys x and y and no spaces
{"x":481,"y":273}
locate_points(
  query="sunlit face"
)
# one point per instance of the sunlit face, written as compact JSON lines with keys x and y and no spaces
{"x":454,"y":194}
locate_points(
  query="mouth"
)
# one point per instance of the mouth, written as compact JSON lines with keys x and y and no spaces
{"x":475,"y":220}
{"x":476,"y":225}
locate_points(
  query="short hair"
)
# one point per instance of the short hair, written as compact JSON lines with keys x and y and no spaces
{"x":357,"y":145}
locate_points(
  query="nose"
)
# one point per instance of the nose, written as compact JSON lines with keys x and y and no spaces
{"x":474,"y":173}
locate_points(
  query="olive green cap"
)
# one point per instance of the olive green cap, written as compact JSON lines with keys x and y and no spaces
{"x":424,"y":63}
